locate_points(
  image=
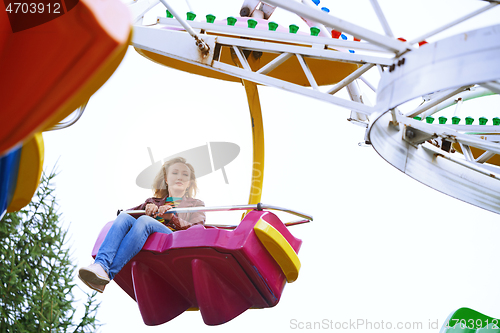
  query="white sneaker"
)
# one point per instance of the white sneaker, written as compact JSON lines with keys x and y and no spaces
{"x":96,"y":287}
{"x":94,"y":274}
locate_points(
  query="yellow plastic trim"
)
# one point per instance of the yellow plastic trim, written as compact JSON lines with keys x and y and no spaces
{"x":325,"y":72}
{"x":279,"y":248}
{"x":30,"y":170}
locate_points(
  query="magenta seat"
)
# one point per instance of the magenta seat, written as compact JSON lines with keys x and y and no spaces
{"x":221,"y":272}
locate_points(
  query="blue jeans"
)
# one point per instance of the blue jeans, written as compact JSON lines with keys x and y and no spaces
{"x":125,"y":239}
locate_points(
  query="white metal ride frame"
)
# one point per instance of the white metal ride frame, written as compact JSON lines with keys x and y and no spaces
{"x":453,"y":69}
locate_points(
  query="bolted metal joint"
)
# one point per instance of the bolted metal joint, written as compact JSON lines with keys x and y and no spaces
{"x":410,"y":134}
{"x":204,"y":48}
{"x":245,"y":12}
{"x":415,"y":136}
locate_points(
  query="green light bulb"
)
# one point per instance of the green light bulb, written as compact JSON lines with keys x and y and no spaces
{"x":273,"y":26}
{"x":293,"y":28}
{"x":210,"y":18}
{"x":231,"y":20}
{"x":252,"y":23}
{"x":315,"y":31}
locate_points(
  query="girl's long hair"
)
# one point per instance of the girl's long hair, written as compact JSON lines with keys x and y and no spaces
{"x":160,"y":187}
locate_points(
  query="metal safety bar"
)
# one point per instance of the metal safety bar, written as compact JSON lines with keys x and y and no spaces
{"x":259,"y":206}
{"x":233,"y":226}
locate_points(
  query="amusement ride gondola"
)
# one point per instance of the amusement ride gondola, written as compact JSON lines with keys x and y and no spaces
{"x":248,"y":264}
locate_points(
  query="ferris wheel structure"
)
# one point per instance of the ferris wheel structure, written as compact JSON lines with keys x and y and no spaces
{"x":455,"y":157}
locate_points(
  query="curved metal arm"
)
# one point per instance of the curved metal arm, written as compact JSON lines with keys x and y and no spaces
{"x":77,"y":115}
{"x":259,"y":206}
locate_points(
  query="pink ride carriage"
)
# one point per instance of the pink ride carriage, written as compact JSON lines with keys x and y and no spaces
{"x":221,"y":272}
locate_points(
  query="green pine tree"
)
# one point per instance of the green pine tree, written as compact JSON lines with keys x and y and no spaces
{"x":36,"y":272}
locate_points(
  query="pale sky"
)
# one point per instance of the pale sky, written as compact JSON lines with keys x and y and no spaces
{"x":382,"y":247}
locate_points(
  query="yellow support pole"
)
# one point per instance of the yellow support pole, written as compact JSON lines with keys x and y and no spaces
{"x":258,"y":142}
